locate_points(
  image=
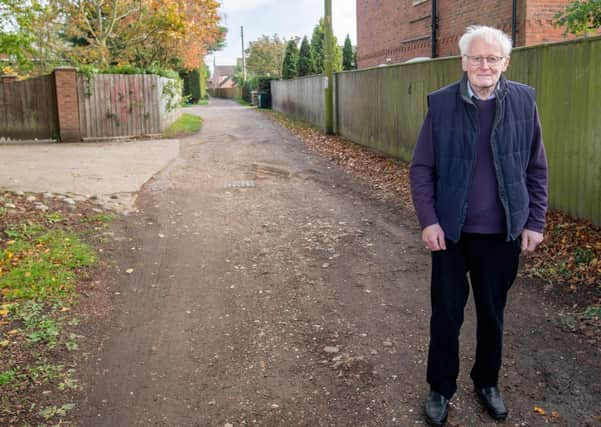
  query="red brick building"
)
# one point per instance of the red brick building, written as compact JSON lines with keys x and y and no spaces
{"x":393,"y":31}
{"x":223,"y":77}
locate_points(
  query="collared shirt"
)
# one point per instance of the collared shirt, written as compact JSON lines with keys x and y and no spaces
{"x":472,"y":94}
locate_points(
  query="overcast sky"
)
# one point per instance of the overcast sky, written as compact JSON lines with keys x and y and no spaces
{"x":286,"y":18}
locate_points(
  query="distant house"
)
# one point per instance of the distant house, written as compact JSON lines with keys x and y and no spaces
{"x":223,"y":77}
{"x":394,"y":31}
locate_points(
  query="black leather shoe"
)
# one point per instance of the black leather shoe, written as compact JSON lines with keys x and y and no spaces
{"x":437,"y":409}
{"x":493,"y":402}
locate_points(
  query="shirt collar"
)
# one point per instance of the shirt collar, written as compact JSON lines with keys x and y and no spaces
{"x":472,"y":94}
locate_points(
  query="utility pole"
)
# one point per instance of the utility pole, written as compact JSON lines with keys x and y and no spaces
{"x":329,"y":66}
{"x":243,"y":55}
{"x":213,"y":77}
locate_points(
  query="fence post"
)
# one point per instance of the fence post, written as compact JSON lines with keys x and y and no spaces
{"x":67,"y":104}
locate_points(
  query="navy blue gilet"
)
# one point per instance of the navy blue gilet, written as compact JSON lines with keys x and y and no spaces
{"x":455,"y":135}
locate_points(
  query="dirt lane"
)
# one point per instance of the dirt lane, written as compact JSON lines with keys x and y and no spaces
{"x":269,"y":288}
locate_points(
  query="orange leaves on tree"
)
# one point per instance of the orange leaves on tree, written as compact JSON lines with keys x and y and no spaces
{"x":143,"y":33}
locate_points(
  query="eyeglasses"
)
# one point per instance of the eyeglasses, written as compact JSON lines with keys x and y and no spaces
{"x":478,"y":60}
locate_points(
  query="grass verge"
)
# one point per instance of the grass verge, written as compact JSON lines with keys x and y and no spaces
{"x":243,"y":102}
{"x":187,"y":124}
{"x":44,"y":258}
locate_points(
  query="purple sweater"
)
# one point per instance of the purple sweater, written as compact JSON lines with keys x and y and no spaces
{"x":485,"y":214}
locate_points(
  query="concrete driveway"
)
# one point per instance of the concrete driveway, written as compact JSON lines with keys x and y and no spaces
{"x":112,"y":172}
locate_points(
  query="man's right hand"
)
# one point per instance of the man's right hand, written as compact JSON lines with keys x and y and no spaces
{"x":433,"y":236}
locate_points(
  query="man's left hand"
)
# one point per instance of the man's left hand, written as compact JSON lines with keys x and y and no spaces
{"x":530,"y":240}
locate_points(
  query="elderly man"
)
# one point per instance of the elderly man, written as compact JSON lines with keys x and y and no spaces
{"x":479,"y":186}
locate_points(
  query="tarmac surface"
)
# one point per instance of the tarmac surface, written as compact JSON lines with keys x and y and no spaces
{"x":111,"y":172}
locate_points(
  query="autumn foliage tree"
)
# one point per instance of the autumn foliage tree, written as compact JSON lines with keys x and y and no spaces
{"x":265,"y":55}
{"x":143,"y":32}
{"x":101,"y":33}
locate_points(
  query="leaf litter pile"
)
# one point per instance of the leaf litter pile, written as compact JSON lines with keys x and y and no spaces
{"x":47,"y":256}
{"x":568,"y":262}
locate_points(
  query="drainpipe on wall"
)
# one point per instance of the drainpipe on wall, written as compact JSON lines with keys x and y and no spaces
{"x":513,"y":21}
{"x":434,"y":27}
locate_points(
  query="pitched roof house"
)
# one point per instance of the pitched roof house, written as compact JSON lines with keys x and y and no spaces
{"x":223,"y":77}
{"x":393,"y":31}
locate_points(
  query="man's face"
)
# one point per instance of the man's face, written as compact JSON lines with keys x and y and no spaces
{"x":482,"y":73}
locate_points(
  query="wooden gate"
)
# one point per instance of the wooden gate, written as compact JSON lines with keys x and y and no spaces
{"x":28,"y":109}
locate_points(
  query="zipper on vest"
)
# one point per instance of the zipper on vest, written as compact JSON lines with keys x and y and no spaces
{"x":500,"y":180}
{"x":472,"y":170}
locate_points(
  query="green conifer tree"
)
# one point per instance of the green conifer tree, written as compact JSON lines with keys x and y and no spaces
{"x":306,"y":64}
{"x":347,"y":55}
{"x":289,"y":70}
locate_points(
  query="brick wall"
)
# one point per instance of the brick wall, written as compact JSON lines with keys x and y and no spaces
{"x":539,"y":21}
{"x":67,"y":104}
{"x":455,"y":15}
{"x":393,"y":31}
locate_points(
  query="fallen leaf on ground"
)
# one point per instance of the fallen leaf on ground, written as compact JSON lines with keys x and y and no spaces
{"x":539,"y":410}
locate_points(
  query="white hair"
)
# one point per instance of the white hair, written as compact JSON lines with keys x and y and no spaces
{"x":488,"y":34}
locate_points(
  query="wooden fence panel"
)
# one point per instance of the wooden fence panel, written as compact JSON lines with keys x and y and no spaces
{"x":28,"y":109}
{"x":120,"y":105}
{"x":383,"y":108}
{"x":228,"y":93}
{"x":301,"y":98}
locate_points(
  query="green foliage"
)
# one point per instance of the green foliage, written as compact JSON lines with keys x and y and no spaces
{"x":41,"y":266}
{"x":54,"y":217}
{"x":53,"y":411}
{"x":593,"y":312}
{"x":580,"y":17}
{"x":30,"y":36}
{"x":289,"y":70}
{"x":242,"y":102}
{"x":264,"y":56}
{"x":318,"y":47}
{"x":187,"y":124}
{"x":220,"y":41}
{"x":191,"y":86}
{"x":172,"y":90}
{"x":37,"y":35}
{"x":195,"y":84}
{"x":203,"y":72}
{"x":7,"y":377}
{"x":306,"y":64}
{"x":348,"y":56}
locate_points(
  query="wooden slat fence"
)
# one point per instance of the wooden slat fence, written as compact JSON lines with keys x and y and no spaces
{"x":115,"y":105}
{"x":301,"y":98}
{"x":28,"y":109}
{"x":228,"y":93}
{"x":383,"y":108}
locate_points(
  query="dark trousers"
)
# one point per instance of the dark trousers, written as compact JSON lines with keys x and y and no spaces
{"x":492,"y":265}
